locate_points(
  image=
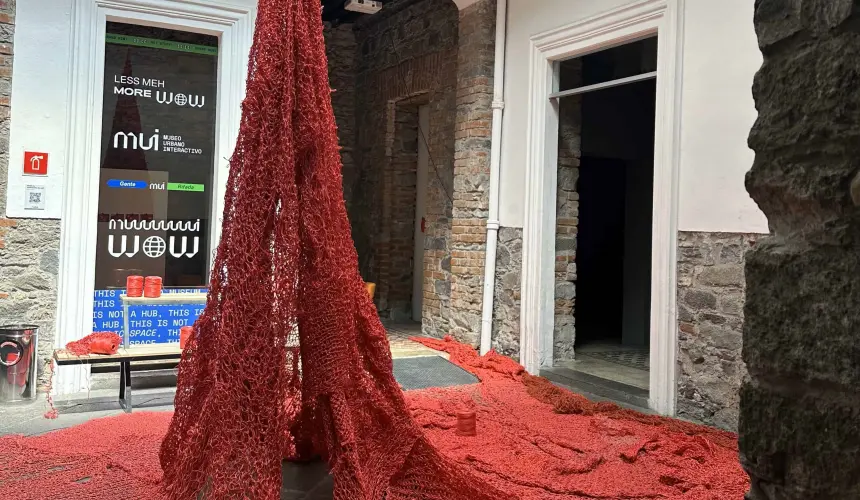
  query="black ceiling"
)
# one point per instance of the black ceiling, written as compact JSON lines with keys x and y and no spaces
{"x":333,"y":11}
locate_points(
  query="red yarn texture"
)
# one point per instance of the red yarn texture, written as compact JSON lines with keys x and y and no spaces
{"x":100,"y":339}
{"x":540,"y":442}
{"x":527,"y":446}
{"x":285,"y":292}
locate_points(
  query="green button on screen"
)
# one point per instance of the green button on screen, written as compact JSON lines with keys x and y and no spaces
{"x":184,"y":186}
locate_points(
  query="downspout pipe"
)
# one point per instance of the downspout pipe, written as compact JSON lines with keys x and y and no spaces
{"x":495,"y":167}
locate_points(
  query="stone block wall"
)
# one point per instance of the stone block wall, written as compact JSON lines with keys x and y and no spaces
{"x":567,"y":213}
{"x":406,"y":55}
{"x":506,"y":305}
{"x":800,"y":411}
{"x":472,"y":136}
{"x":29,"y":248}
{"x":710,"y":322}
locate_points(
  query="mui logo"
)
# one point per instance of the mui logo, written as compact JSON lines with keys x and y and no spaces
{"x":136,"y":141}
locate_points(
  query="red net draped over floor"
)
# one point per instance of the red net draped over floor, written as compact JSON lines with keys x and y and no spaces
{"x":285,"y":291}
{"x":535,"y":441}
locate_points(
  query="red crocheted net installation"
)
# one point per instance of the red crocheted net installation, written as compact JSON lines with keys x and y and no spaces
{"x":289,"y":358}
{"x":534,"y":441}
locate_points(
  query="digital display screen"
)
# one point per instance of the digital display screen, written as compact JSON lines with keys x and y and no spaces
{"x":156,"y":173}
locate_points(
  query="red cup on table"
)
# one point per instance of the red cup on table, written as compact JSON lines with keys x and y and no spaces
{"x":185,"y":334}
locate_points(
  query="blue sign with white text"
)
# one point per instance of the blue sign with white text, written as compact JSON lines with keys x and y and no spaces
{"x":148,"y":324}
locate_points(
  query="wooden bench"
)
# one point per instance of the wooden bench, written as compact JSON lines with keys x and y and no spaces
{"x":124,"y":356}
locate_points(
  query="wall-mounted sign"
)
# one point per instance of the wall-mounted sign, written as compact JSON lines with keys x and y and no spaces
{"x":35,"y":163}
{"x":34,"y":197}
{"x":147,"y":324}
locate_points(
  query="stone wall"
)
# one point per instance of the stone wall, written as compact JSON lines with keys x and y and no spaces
{"x":341,"y":54}
{"x":406,"y":54}
{"x":800,"y":410}
{"x":29,"y":249}
{"x":506,"y":305}
{"x":567,"y":213}
{"x":472,"y":136}
{"x":710,"y":322}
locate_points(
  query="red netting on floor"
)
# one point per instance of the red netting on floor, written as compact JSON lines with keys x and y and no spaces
{"x":106,"y":458}
{"x":528,"y":445}
{"x":285,"y":290}
{"x":541,"y":442}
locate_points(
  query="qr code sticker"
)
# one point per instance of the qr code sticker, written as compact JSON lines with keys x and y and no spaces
{"x":34,"y":198}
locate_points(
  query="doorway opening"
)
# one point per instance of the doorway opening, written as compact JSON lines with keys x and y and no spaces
{"x":403,"y":270}
{"x":607,"y":113}
{"x":422,"y":173}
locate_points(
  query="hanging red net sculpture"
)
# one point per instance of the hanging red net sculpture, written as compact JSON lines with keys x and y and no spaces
{"x":289,"y":358}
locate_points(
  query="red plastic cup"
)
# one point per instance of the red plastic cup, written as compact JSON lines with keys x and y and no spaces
{"x":466,"y":423}
{"x":185,"y":335}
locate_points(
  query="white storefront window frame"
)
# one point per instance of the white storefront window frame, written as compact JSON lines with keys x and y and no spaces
{"x":230,"y":20}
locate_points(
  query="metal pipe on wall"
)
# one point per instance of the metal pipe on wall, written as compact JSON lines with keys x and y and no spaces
{"x":495,"y":167}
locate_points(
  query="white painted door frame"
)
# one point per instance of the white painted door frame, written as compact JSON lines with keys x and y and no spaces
{"x":625,"y":24}
{"x":233,"y":22}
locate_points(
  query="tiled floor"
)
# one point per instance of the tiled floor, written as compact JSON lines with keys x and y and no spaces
{"x":631,"y":357}
{"x":625,"y":365}
{"x":300,"y":481}
{"x":402,"y":347}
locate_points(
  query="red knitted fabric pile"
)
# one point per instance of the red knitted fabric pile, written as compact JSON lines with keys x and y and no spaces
{"x":104,"y":340}
{"x":534,"y":441}
{"x":285,"y":291}
{"x":537,"y":441}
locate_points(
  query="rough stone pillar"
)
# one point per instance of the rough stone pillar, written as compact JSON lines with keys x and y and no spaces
{"x":800,"y":412}
{"x":473,"y":131}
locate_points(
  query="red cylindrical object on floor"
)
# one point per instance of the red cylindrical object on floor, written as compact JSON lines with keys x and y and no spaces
{"x":185,"y":335}
{"x":134,"y":286}
{"x":152,"y":287}
{"x":466,"y":423}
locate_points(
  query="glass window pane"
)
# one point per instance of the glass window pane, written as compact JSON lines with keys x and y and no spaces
{"x":619,"y":62}
{"x":157,"y":161}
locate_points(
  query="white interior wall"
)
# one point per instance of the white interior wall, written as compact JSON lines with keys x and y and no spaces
{"x":40,"y":101}
{"x":720,"y":58}
{"x":527,"y":18}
